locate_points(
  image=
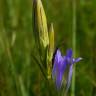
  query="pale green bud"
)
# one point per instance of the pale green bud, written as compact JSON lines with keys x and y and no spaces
{"x":50,"y":50}
{"x":41,"y":22}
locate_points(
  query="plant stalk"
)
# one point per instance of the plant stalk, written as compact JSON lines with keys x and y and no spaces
{"x":73,"y":44}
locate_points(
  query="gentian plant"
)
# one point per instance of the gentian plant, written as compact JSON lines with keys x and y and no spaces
{"x":45,"y":47}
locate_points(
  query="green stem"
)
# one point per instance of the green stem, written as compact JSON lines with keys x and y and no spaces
{"x":22,"y":87}
{"x":74,"y":44}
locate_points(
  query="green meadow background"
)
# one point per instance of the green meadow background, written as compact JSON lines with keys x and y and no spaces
{"x":19,"y":73}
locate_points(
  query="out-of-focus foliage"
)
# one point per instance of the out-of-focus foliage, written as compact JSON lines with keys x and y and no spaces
{"x":17,"y":45}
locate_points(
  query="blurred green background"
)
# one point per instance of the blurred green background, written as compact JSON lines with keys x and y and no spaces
{"x":17,"y":45}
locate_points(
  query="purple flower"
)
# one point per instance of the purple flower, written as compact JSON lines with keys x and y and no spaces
{"x":60,"y":66}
